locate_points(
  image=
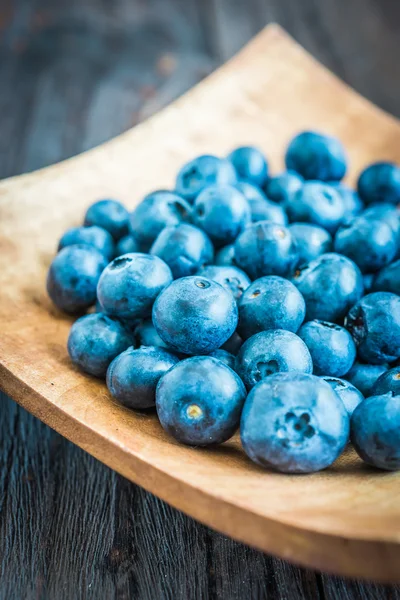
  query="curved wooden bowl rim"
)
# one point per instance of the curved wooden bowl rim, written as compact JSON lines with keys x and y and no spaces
{"x":344,"y":520}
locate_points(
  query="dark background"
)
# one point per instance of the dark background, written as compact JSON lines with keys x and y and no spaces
{"x":74,"y":73}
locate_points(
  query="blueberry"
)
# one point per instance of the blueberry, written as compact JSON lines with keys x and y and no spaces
{"x":375,"y":431}
{"x":195,"y":315}
{"x":387,"y":382}
{"x":294,"y":423}
{"x":158,"y":210}
{"x":368,"y":280}
{"x":380,"y":182}
{"x":199,"y":401}
{"x":387,"y":213}
{"x":132,"y":376}
{"x":267,"y":211}
{"x":126,"y":245}
{"x":129,"y":324}
{"x":364,"y":376}
{"x":311,"y":241}
{"x":261,"y":208}
{"x":251,"y":192}
{"x":73,"y":276}
{"x":316,"y":156}
{"x":388,"y":279}
{"x":353,"y":205}
{"x":146,"y":335}
{"x":231,"y":278}
{"x":130,"y":284}
{"x":95,"y":340}
{"x":233,"y":344}
{"x":332,"y":348}
{"x":270,"y":352}
{"x":349,"y":395}
{"x":225,"y":256}
{"x":371,"y":244}
{"x":94,"y":236}
{"x":250,"y":165}
{"x":184,"y":248}
{"x":201,"y":172}
{"x":110,"y":215}
{"x":226,"y":357}
{"x":282,"y":187}
{"x":331,"y":284}
{"x":222,"y":212}
{"x":265,"y":248}
{"x":374,"y":323}
{"x":264,"y":210}
{"x":270,"y":303}
{"x":317,"y":203}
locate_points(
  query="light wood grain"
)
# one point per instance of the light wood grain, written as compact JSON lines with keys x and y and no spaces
{"x":345,"y":520}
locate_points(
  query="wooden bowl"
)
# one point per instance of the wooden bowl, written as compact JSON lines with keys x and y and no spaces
{"x":346,"y":519}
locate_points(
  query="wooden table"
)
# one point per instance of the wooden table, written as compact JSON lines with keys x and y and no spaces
{"x":72,"y":75}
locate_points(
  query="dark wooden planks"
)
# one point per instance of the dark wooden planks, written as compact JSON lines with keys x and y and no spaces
{"x":75,"y":76}
{"x":72,"y":74}
{"x":72,"y":528}
{"x":358,"y":40}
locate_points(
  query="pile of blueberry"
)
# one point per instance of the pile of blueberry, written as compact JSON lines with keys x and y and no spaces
{"x":241,"y":299}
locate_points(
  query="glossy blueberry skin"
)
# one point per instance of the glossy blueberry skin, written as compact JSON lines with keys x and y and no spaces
{"x":232,"y":279}
{"x":375,"y":431}
{"x":264,"y":210}
{"x":73,"y":276}
{"x":132,"y":377}
{"x":199,"y":401}
{"x":126,"y":245}
{"x":353,"y":205}
{"x":282,"y":187}
{"x":261,"y":208}
{"x":388,"y":279}
{"x":129,"y":285}
{"x":270,"y":303}
{"x":234,"y":344}
{"x":332,"y":348}
{"x":201,"y":172}
{"x":294,"y":423}
{"x":384,"y":212}
{"x":110,"y":215}
{"x":371,"y":244}
{"x":311,"y":241}
{"x":380,"y":182}
{"x":374,"y":323}
{"x":92,"y":236}
{"x":185,"y":248}
{"x":251,"y":191}
{"x":364,"y":376}
{"x":349,"y":395}
{"x":331,"y":284}
{"x":222,"y":212}
{"x":316,"y":203}
{"x":316,"y":156}
{"x":389,"y":214}
{"x":265,"y":248}
{"x":387,"y":382}
{"x":250,"y":165}
{"x":195,"y":315}
{"x":270,"y":352}
{"x":95,"y":340}
{"x":146,"y":335}
{"x":225,"y":256}
{"x":226,"y":357}
{"x":158,"y":210}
